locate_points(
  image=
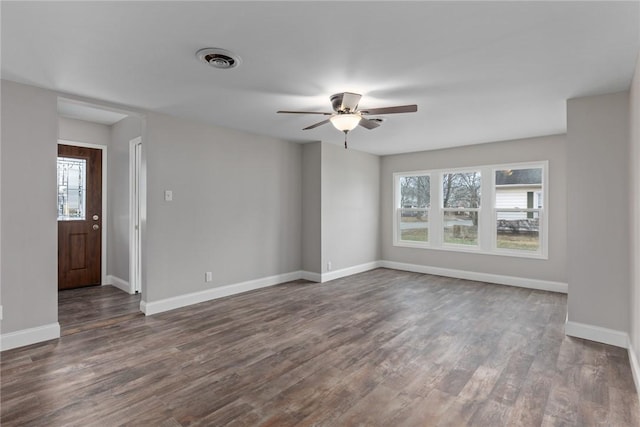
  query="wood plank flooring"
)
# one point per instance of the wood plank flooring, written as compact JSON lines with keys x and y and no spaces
{"x":95,"y":307}
{"x":381,"y":348}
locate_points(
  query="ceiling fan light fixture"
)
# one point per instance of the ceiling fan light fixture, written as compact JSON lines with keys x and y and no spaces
{"x":345,"y":122}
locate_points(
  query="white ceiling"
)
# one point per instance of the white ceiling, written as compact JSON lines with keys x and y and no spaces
{"x":479,"y":71}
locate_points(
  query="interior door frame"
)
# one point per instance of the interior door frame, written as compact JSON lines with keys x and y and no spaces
{"x":135,"y":207}
{"x":103,"y":248}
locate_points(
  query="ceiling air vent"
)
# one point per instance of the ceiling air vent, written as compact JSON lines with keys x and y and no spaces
{"x":218,"y":58}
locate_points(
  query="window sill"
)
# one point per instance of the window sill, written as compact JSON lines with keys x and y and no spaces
{"x":472,"y":250}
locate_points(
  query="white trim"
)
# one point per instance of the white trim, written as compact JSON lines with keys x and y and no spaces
{"x":486,"y":243}
{"x":311,"y":276}
{"x":635,"y":366}
{"x":29,"y":336}
{"x":597,"y":333}
{"x":103,"y":249}
{"x":154,"y":307}
{"x":522,"y":282}
{"x":343,"y":272}
{"x":135,"y":200}
{"x":396,"y":212}
{"x":119,"y":283}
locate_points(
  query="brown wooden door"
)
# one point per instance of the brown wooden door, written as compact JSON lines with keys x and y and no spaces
{"x":79,"y":216}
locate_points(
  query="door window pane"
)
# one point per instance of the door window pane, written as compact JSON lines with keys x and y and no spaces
{"x":72,"y":182}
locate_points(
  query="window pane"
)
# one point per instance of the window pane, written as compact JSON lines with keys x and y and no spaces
{"x":461,"y":190}
{"x":414,"y":225}
{"x":519,"y":188}
{"x":415,"y":192}
{"x":461,"y":227}
{"x":72,"y":180}
{"x":521,"y":233}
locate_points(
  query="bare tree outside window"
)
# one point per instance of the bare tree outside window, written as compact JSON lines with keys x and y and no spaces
{"x":461,"y":200}
{"x":415,"y":201}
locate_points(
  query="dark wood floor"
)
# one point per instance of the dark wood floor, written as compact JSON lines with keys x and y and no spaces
{"x":382,"y":348}
{"x":95,"y":307}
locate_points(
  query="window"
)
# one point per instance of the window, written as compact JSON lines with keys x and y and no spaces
{"x":496,"y":209}
{"x":460,"y":207}
{"x":72,"y":179}
{"x":413,"y":208}
{"x":518,"y":208}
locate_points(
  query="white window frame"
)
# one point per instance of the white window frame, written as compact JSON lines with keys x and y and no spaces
{"x":397,"y":241}
{"x":543,"y":231}
{"x":460,"y":246}
{"x":487,"y":212}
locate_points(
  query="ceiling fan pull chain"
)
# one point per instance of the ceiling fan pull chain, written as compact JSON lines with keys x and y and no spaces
{"x":345,"y":139}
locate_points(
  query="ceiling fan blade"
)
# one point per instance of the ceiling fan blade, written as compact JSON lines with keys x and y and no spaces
{"x":369,"y":124}
{"x":317,"y":124}
{"x":391,"y":110}
{"x":350,"y":101}
{"x":305,"y":112}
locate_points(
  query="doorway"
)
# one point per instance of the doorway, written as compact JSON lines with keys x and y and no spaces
{"x":111,"y":131}
{"x":80,"y":216}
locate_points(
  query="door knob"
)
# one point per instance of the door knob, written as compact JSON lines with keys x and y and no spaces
{"x":96,"y":226}
{"x":96,"y":217}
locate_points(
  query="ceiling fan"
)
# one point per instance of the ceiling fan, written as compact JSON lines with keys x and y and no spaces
{"x":346,"y":115}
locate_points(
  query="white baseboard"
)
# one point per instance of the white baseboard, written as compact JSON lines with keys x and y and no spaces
{"x":311,"y":276}
{"x":154,"y":307}
{"x":119,"y":283}
{"x":343,"y":272}
{"x":597,"y":333}
{"x":635,"y":366}
{"x":522,"y":282}
{"x":29,"y":336}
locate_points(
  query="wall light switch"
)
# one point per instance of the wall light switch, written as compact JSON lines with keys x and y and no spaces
{"x":168,"y":195}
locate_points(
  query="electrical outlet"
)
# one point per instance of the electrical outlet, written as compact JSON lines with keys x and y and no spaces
{"x":168,"y":195}
{"x":208,"y":276}
{"x":329,"y":266}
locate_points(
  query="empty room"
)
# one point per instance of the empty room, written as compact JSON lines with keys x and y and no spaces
{"x":320,"y":213}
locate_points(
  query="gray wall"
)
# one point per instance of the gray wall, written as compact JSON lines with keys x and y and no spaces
{"x":82,"y":131}
{"x":551,"y":148}
{"x":118,"y":244}
{"x":29,"y":226}
{"x":236,"y":208}
{"x":598,"y":200}
{"x":350,"y":207}
{"x":311,"y":208}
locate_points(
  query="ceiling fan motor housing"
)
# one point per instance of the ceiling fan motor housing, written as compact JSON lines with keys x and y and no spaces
{"x":336,"y":103}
